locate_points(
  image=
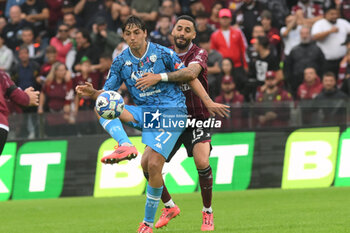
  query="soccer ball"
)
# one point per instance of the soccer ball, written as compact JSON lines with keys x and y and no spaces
{"x":109,"y":105}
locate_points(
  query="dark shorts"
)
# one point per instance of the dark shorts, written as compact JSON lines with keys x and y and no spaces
{"x":189,"y":138}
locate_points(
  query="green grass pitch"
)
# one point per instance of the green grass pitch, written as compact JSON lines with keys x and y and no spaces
{"x":265,"y":210}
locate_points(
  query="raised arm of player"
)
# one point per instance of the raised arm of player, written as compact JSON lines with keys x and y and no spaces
{"x":213,"y":107}
{"x":182,"y":76}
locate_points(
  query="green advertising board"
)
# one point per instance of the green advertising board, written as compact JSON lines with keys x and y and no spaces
{"x":310,"y":158}
{"x":343,"y":163}
{"x":231,"y":161}
{"x":40,"y":169}
{"x":122,"y":179}
{"x":7,"y":165}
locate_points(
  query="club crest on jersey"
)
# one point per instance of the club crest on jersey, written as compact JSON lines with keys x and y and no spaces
{"x":153,"y":58}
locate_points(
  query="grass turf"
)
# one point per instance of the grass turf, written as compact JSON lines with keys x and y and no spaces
{"x":265,"y":210}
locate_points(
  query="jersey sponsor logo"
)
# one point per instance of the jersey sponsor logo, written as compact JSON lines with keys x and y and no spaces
{"x":127,"y":63}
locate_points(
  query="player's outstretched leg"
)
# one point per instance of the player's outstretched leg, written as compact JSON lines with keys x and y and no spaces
{"x":125,"y":150}
{"x":170,"y":211}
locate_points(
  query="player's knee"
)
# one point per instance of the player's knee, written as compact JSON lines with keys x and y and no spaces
{"x":154,"y":167}
{"x":202,"y":163}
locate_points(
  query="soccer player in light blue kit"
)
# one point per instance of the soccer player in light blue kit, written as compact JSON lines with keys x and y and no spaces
{"x":164,"y":98}
{"x":143,"y":57}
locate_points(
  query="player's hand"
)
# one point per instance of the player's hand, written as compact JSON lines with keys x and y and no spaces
{"x":220,"y":109}
{"x":85,"y":90}
{"x":147,"y":80}
{"x":33,"y":96}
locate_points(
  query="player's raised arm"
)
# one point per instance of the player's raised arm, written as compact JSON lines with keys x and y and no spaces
{"x":213,"y":107}
{"x":182,"y":76}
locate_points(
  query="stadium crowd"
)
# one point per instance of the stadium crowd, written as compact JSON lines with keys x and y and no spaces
{"x":260,"y":51}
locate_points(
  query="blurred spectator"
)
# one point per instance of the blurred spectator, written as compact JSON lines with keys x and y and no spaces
{"x":168,"y":8}
{"x":84,"y":48}
{"x":62,"y":43}
{"x":87,"y":11}
{"x":196,"y":6}
{"x":51,"y":58}
{"x":203,"y":28}
{"x":162,"y":35}
{"x":311,"y":86}
{"x":104,"y":39}
{"x":3,"y":23}
{"x":290,"y":34}
{"x":306,"y":54}
{"x":55,"y":15}
{"x":330,"y":90}
{"x":330,"y":33}
{"x":37,"y":13}
{"x":70,"y":20}
{"x":229,"y":43}
{"x":258,"y":30}
{"x":111,"y":14}
{"x":214,"y":15}
{"x":344,"y":73}
{"x":56,"y":96}
{"x":87,"y":74}
{"x":229,"y":94}
{"x":274,"y":97}
{"x":265,"y":61}
{"x":279,"y":11}
{"x":81,"y":105}
{"x":68,"y":6}
{"x":11,"y":3}
{"x":147,"y":11}
{"x":25,"y":73}
{"x":103,"y":67}
{"x":271,"y":32}
{"x":331,"y":102}
{"x":13,"y":30}
{"x":36,"y":50}
{"x":249,"y":15}
{"x":213,"y":65}
{"x":307,"y":12}
{"x":6,"y":56}
{"x":124,"y":13}
{"x":344,"y":8}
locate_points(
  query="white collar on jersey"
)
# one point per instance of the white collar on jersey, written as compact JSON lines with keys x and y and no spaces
{"x":148,"y":43}
{"x":189,"y":48}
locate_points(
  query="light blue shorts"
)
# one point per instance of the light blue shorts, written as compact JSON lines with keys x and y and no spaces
{"x":161,"y":127}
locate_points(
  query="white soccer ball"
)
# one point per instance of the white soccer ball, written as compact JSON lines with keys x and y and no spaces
{"x":109,"y":104}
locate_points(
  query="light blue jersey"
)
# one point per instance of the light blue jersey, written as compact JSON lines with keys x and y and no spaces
{"x":157,"y":59}
{"x":160,"y":109}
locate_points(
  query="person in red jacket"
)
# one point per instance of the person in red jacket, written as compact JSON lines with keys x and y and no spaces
{"x":9,"y":91}
{"x":229,"y":42}
{"x":311,"y":86}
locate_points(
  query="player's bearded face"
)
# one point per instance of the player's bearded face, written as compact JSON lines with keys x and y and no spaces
{"x":181,"y":42}
{"x":184,"y":33}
